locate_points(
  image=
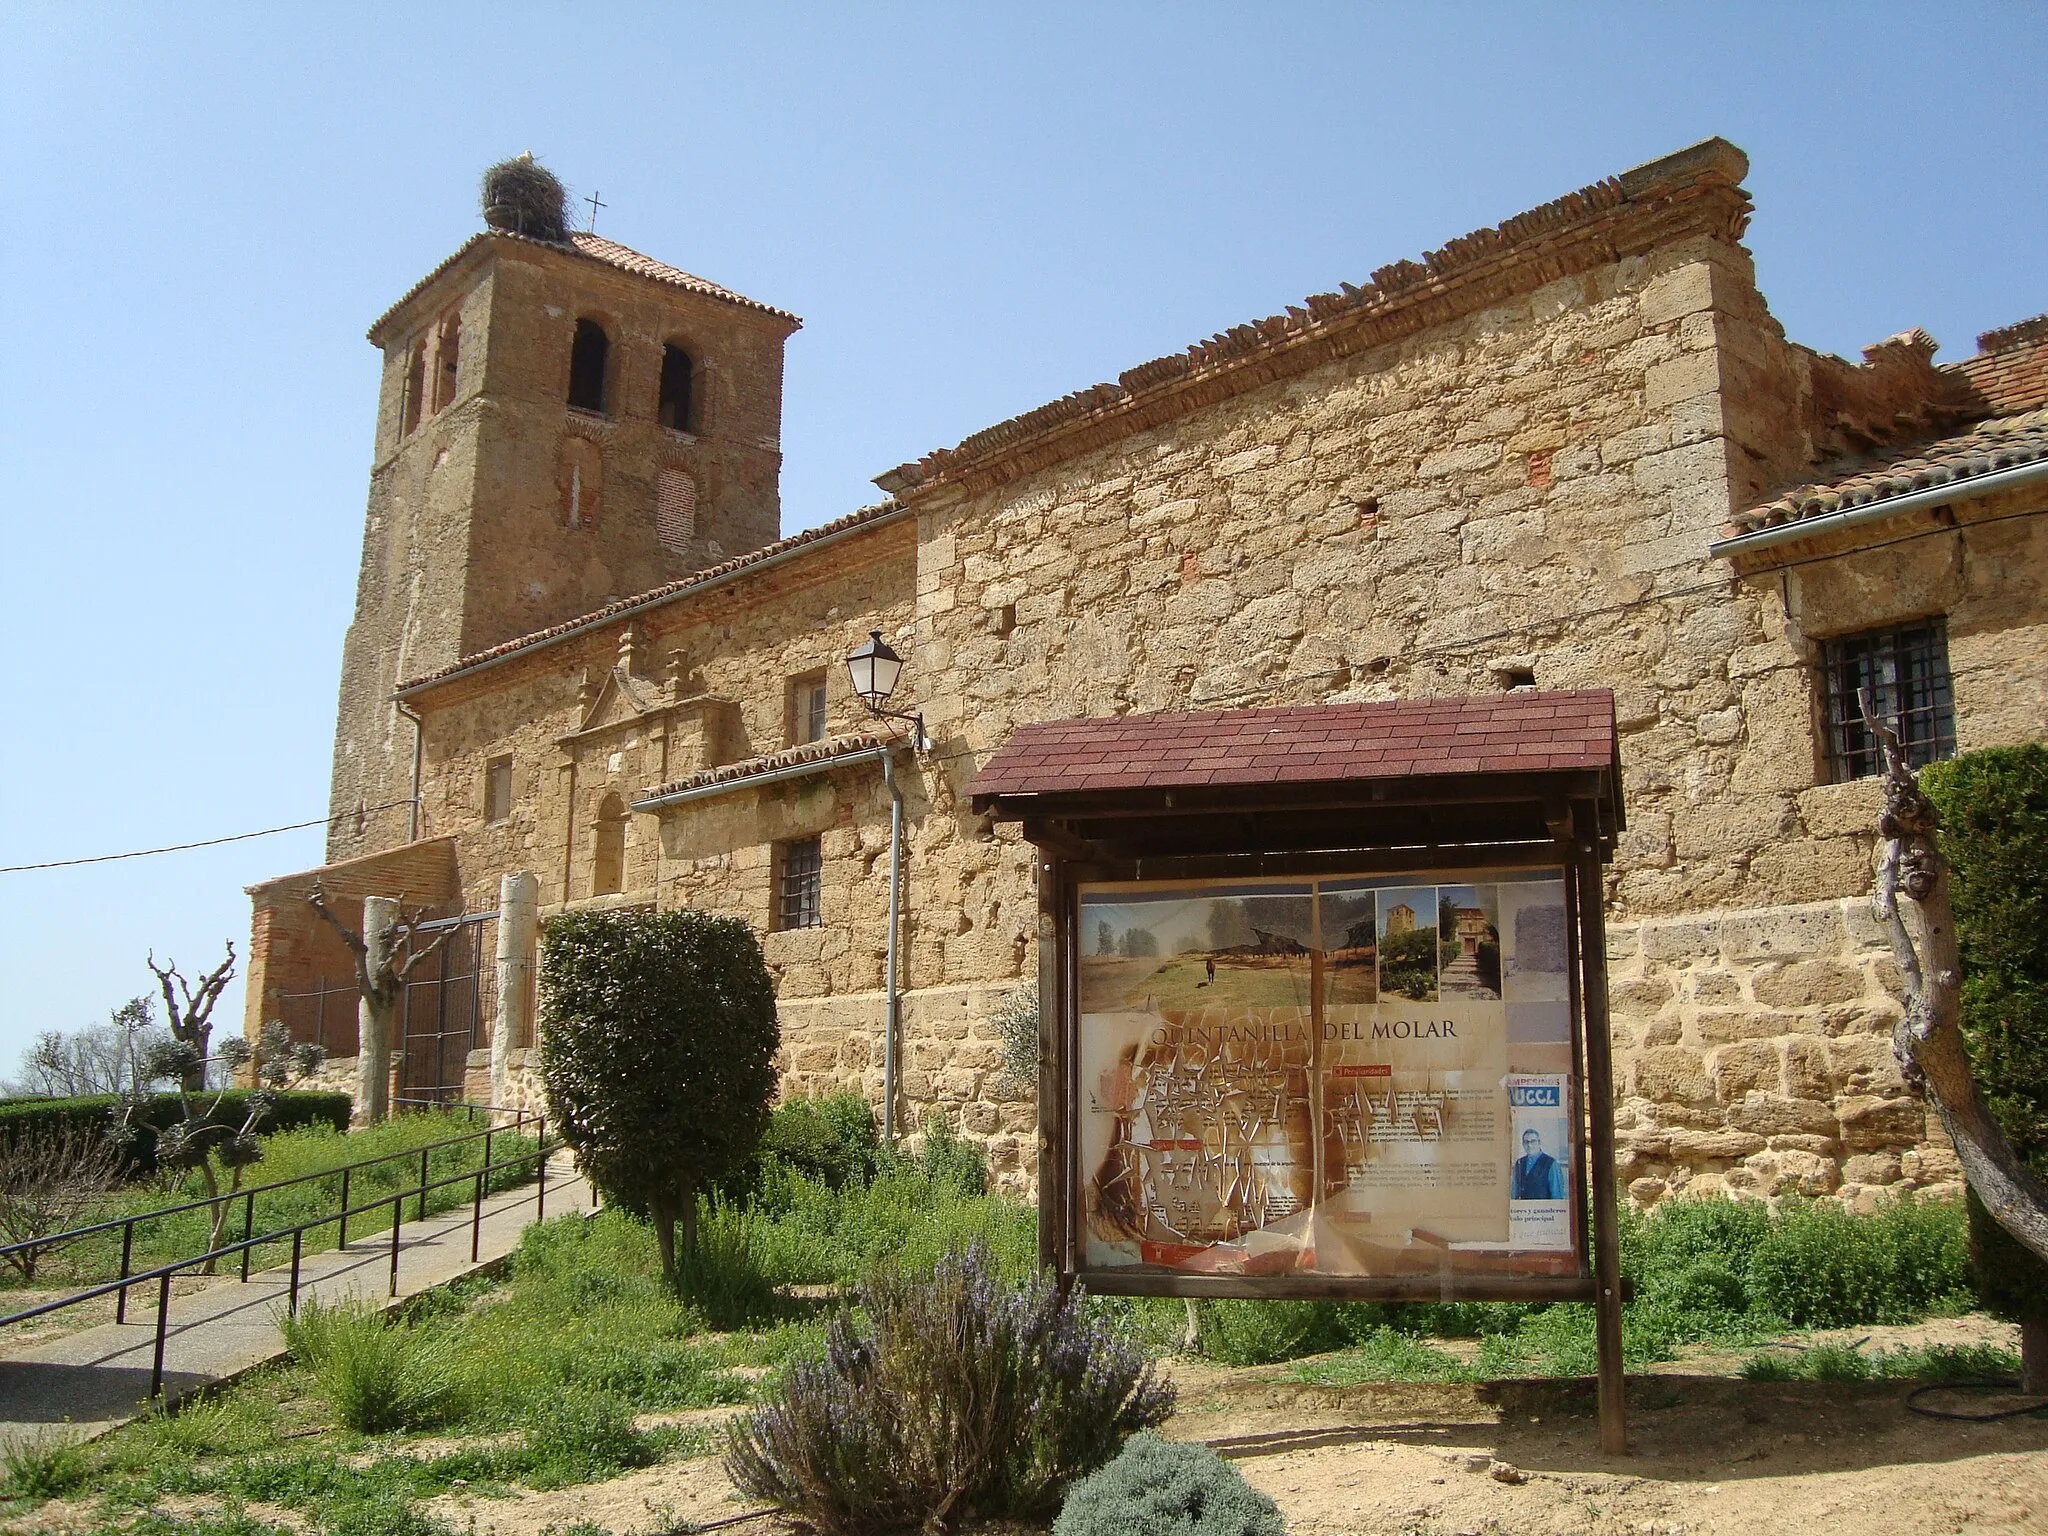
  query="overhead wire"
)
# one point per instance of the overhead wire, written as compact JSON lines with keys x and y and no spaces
{"x":205,"y":842}
{"x":1443,"y":648}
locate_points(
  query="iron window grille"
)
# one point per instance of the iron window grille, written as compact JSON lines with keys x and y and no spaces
{"x":799,"y":870}
{"x":1906,"y":670}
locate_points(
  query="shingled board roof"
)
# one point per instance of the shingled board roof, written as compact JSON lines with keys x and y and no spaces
{"x":1323,"y":743}
{"x":596,"y":248}
{"x":711,"y":576}
{"x":2002,"y":443}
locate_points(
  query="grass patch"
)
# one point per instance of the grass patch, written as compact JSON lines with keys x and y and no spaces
{"x":1382,"y":1355}
{"x":1848,"y":1362}
{"x":375,"y":1372}
{"x":313,"y":1149}
{"x":47,"y":1467}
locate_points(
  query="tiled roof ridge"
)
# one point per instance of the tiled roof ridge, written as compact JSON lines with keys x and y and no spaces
{"x":825,"y":751}
{"x":1999,"y":443}
{"x":880,"y":512}
{"x":591,"y":248}
{"x":1709,"y":164}
{"x":2005,"y":337}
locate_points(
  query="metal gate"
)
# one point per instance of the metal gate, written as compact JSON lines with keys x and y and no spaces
{"x":449,"y":1004}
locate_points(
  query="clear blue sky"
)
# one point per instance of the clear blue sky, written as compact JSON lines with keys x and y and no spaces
{"x":974,"y":208}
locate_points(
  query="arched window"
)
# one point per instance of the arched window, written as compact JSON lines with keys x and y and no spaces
{"x":415,"y":388}
{"x":448,"y":357}
{"x":608,"y":871}
{"x":586,"y":366}
{"x":676,"y":378}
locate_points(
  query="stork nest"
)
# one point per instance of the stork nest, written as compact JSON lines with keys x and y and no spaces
{"x":526,"y":198}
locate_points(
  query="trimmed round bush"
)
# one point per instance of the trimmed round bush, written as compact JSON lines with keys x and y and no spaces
{"x":1160,"y":1488}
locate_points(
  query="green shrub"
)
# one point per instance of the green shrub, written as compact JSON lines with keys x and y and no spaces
{"x":1156,"y":1487}
{"x":45,"y":1467}
{"x":1768,"y":1368}
{"x":1262,"y":1332}
{"x":1834,"y":1362}
{"x":960,"y":1397}
{"x":375,"y":1374}
{"x":657,"y":1045}
{"x":1994,"y":833}
{"x":830,"y":1140}
{"x":1821,"y":1266}
{"x":294,"y":1108}
{"x":722,"y":1275}
{"x":580,"y":1437}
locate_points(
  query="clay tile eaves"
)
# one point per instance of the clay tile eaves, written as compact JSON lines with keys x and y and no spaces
{"x":1510,"y":733}
{"x":1696,"y":190}
{"x":711,"y":576}
{"x":595,"y":248}
{"x":2002,"y":443}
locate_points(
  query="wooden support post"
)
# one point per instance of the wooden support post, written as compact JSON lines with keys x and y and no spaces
{"x":1052,"y":1073}
{"x":1600,"y":1121}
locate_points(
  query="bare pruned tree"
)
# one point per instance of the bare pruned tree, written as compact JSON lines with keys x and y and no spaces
{"x":188,"y":1007}
{"x":49,"y":1177}
{"x":1928,"y":1039}
{"x":212,"y":1138}
{"x":385,"y":951}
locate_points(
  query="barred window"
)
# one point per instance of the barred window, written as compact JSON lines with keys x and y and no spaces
{"x":1906,"y":671}
{"x":798,"y":867}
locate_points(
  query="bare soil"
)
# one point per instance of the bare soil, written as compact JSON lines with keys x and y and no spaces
{"x":1711,"y":1456}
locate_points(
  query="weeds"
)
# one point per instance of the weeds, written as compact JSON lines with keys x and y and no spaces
{"x":47,"y":1467}
{"x":375,"y":1374}
{"x":1847,"y":1362}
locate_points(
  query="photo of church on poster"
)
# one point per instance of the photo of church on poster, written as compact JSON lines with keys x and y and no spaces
{"x":1539,"y":1178}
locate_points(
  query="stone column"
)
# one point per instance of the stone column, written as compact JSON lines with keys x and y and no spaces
{"x":374,"y":1014}
{"x":518,"y":929}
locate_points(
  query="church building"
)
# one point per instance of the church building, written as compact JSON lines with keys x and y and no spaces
{"x":1573,"y":451}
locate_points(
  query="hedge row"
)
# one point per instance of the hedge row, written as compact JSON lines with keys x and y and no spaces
{"x":294,"y":1108}
{"x":1994,"y":831}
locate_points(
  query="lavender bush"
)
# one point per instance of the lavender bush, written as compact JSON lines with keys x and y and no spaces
{"x":961,"y":1398}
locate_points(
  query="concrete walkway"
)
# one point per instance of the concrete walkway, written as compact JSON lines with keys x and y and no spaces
{"x":98,"y":1378}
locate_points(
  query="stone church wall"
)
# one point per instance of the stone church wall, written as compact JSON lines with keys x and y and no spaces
{"x":1520,"y":487}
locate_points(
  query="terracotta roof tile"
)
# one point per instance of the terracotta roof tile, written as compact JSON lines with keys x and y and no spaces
{"x":1494,"y":733}
{"x":821,"y":752}
{"x":884,"y":512}
{"x":597,"y":248}
{"x":2000,"y":443}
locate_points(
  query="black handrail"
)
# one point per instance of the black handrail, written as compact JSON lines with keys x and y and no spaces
{"x":250,"y":1191}
{"x":479,"y":1177}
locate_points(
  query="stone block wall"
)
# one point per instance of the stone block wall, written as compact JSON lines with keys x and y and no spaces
{"x":1753,"y":1055}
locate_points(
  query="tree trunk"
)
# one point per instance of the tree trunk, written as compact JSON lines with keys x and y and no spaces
{"x":664,"y":1219}
{"x":377,"y":1012}
{"x":1928,"y":1039}
{"x":2034,"y":1353}
{"x":686,"y":1218}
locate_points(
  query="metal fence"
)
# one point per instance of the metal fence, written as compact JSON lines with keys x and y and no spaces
{"x":250,"y":1240}
{"x":449,"y":1008}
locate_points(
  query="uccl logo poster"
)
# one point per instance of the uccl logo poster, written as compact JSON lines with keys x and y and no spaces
{"x":1314,"y":1075}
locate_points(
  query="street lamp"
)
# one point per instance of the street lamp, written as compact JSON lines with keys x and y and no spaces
{"x":875,"y":669}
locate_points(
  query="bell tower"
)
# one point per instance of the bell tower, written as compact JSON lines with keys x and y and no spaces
{"x":562,"y":422}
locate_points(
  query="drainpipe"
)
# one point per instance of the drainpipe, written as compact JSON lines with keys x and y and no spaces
{"x":419,"y":740}
{"x":892,"y":1018}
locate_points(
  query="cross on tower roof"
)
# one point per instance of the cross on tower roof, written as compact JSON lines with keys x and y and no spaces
{"x":595,"y":204}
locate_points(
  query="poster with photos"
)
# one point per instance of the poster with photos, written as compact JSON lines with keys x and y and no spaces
{"x":1313,"y":1076}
